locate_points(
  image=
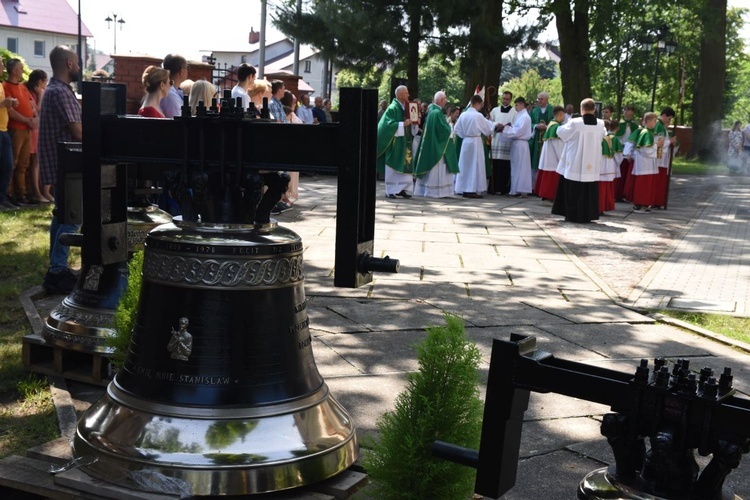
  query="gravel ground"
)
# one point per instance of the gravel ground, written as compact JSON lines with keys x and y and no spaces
{"x":622,"y":247}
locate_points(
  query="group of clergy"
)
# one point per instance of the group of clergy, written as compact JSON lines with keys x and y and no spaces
{"x":582,"y":166}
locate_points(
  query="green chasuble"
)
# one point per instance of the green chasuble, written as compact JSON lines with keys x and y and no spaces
{"x":660,"y":129}
{"x":436,"y":143}
{"x":634,"y":135}
{"x":645,"y":138}
{"x":616,"y":144}
{"x":535,"y":143}
{"x":621,"y":129}
{"x":551,"y":132}
{"x":394,"y":151}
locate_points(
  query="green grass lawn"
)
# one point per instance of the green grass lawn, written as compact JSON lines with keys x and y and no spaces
{"x":681,"y":165}
{"x":27,"y":415}
{"x":728,"y":326}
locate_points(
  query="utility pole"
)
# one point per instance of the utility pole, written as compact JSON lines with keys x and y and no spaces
{"x":295,"y":67}
{"x":262,"y":46}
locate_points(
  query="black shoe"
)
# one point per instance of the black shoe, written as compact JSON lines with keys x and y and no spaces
{"x":60,"y":283}
{"x":7,"y":203}
{"x":404,"y":194}
{"x":391,"y":196}
{"x":25,"y":201}
{"x":280,"y":207}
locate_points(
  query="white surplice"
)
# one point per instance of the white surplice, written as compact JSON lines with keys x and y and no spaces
{"x":582,"y":158}
{"x":472,"y":175}
{"x":520,"y":157}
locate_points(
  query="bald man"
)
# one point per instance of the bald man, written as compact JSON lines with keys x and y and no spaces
{"x":436,"y":160}
{"x":60,"y":121}
{"x":394,"y":147}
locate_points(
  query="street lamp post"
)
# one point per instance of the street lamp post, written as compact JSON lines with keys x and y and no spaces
{"x":120,"y":21}
{"x":664,"y":44}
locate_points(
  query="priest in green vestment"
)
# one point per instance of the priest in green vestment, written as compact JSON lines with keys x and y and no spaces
{"x":541,"y":115}
{"x":436,"y":161}
{"x":394,"y":146}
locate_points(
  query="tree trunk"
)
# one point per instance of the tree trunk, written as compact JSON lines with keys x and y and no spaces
{"x":486,"y":44}
{"x":573,"y":33}
{"x":412,"y":58}
{"x":709,"y":86}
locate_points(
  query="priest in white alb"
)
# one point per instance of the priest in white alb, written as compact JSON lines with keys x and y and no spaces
{"x":471,"y":180}
{"x":578,"y":191}
{"x":519,"y":132}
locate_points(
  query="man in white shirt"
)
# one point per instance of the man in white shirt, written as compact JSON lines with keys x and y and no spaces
{"x":245,"y":80}
{"x":304,"y":112}
{"x":471,"y":179}
{"x":171,"y":105}
{"x":503,"y":114}
{"x":519,"y":132}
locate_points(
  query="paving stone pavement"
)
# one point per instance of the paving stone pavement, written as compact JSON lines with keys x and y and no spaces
{"x":500,"y":264}
{"x":709,"y":269}
{"x":506,"y":266}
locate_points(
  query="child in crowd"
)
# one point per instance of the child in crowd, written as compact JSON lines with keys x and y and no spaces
{"x":610,"y":168}
{"x":645,"y":170}
{"x":625,"y":129}
{"x":662,"y":130}
{"x":547,"y":178}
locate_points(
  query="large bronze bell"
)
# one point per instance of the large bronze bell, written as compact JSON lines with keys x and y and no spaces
{"x":83,"y":320}
{"x":220,"y":394}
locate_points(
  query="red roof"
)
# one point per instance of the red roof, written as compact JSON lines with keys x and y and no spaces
{"x":54,"y":16}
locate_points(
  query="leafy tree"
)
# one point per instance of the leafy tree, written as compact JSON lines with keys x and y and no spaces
{"x":457,"y":30}
{"x":530,"y":84}
{"x":436,"y":73}
{"x":344,"y":31}
{"x":514,"y":67}
{"x":7,"y":54}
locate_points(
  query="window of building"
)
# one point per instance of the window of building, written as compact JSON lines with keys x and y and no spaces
{"x":308,"y":66}
{"x":243,"y":59}
{"x":12,"y":44}
{"x":39,"y":50}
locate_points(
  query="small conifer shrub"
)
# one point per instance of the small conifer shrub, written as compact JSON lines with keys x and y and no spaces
{"x":441,"y":402}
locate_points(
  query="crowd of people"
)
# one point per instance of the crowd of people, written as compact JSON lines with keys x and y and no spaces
{"x":38,"y":113}
{"x":20,"y":110}
{"x":166,"y":86}
{"x":580,"y":164}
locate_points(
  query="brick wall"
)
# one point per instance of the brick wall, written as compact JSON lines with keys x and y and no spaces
{"x":129,"y":70}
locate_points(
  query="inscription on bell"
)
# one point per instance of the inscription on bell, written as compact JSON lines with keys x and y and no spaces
{"x":245,"y":250}
{"x":299,"y":326}
{"x":304,"y":343}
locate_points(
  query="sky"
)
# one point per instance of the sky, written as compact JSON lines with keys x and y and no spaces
{"x":158,"y":27}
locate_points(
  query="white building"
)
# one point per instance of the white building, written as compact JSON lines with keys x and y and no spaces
{"x":32,"y":28}
{"x":279,"y":58}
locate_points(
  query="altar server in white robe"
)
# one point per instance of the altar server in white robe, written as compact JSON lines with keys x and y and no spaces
{"x":471,"y":179}
{"x":520,"y":132}
{"x":578,"y":191}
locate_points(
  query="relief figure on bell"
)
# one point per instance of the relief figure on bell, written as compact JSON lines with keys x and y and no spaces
{"x":181,"y":344}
